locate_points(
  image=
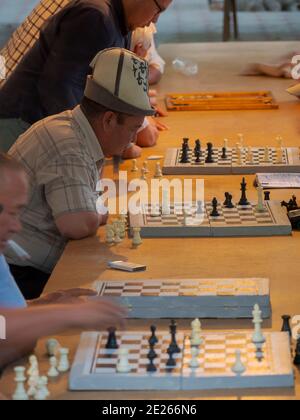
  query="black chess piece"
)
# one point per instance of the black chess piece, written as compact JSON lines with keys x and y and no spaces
{"x":186,"y":143}
{"x":198,"y":156}
{"x":198,"y":147}
{"x":243,"y":201}
{"x":171,"y":362}
{"x":267,"y":195}
{"x":286,"y":327}
{"x":224,"y":153}
{"x":153,"y":339}
{"x":297,"y":355}
{"x":215,"y":212}
{"x":173,"y":347}
{"x":112,"y":339}
{"x":184,"y":154}
{"x":210,"y":152}
{"x":151,"y":357}
{"x":228,"y":201}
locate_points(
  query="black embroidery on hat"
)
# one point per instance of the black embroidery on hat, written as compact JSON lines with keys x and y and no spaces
{"x":140,"y":71}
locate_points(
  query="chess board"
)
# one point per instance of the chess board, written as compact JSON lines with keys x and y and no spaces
{"x":230,"y":165}
{"x":94,"y":367}
{"x":220,"y":101}
{"x":238,"y":221}
{"x":187,"y":298}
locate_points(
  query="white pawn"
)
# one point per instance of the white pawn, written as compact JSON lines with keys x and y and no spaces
{"x":260,"y":199}
{"x":145,"y":166}
{"x":52,"y":346}
{"x":20,"y":393}
{"x":134,"y":166}
{"x":241,"y":140}
{"x":41,"y":393}
{"x":123,"y":364}
{"x":33,"y":369}
{"x":194,"y":360}
{"x":32,"y":382}
{"x":185,"y":218}
{"x":238,"y":368}
{"x":117,"y":232}
{"x":137,"y":240}
{"x":250,"y":156}
{"x":158,"y":171}
{"x":239,"y":155}
{"x":110,"y":234}
{"x":122,"y":224}
{"x":53,"y":372}
{"x":63,"y":365}
{"x":44,"y":384}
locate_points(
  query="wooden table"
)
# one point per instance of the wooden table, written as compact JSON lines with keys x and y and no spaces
{"x":277,"y":258}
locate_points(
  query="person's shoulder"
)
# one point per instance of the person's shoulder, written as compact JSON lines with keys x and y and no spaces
{"x":92,"y":8}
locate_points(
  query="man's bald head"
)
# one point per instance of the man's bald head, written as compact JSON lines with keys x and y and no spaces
{"x":13,"y":197}
{"x":141,"y":13}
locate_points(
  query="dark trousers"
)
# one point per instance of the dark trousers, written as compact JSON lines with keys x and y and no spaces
{"x":30,"y":281}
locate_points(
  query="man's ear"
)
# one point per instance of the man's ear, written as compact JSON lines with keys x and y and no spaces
{"x":109,"y":121}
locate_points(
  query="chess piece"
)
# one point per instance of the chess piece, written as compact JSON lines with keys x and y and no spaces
{"x":111,"y":343}
{"x":32,"y":382}
{"x":123,"y":363}
{"x":134,"y":166}
{"x":297,"y":353}
{"x":286,"y":327}
{"x":53,"y":372}
{"x":280,"y":155}
{"x":137,"y":240}
{"x":225,"y":145}
{"x":151,"y":357}
{"x":260,"y":199}
{"x":145,"y":166}
{"x":267,"y":195}
{"x":243,"y":201}
{"x":117,"y":232}
{"x":194,"y":360}
{"x":239,"y":155}
{"x":250,"y":160}
{"x":165,"y":203}
{"x":122,"y":225}
{"x":153,"y":339}
{"x":238,"y":368}
{"x":42,"y":390}
{"x":215,"y":212}
{"x":171,"y":362}
{"x":258,"y":339}
{"x":196,"y":339}
{"x":173,"y":347}
{"x":209,"y":157}
{"x":158,"y":171}
{"x":63,"y":365}
{"x":20,"y":393}
{"x":52,"y":346}
{"x":197,"y":149}
{"x":34,"y":367}
{"x":224,"y":155}
{"x":241,"y":140}
{"x":110,"y":234}
{"x":267,"y":155}
{"x":143,"y":175}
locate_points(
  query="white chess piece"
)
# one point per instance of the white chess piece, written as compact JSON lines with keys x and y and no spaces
{"x":260,"y":199}
{"x":238,"y":368}
{"x":145,"y":166}
{"x":110,"y":234}
{"x":279,"y":140}
{"x":63,"y":365}
{"x":52,"y":347}
{"x":123,"y":363}
{"x":250,"y":156}
{"x":196,"y":339}
{"x":117,"y":232}
{"x":42,"y":391}
{"x":239,"y":155}
{"x":186,"y":218}
{"x":134,"y":166}
{"x":44,"y":383}
{"x":20,"y":393}
{"x":158,"y":171}
{"x":32,"y":382}
{"x":33,"y":369}
{"x":241,"y":140}
{"x":137,"y":240}
{"x":258,"y":338}
{"x":53,"y":372}
{"x":143,"y":175}
{"x":267,"y":155}
{"x":194,"y":360}
{"x":165,"y":203}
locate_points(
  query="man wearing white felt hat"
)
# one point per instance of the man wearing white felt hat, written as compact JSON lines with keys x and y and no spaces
{"x":63,"y":156}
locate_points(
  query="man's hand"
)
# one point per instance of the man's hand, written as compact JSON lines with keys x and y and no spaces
{"x":64,"y":297}
{"x":140,"y":50}
{"x":157,"y":124}
{"x":97,"y":314}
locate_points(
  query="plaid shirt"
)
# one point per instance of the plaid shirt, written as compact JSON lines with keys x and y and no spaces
{"x":62,"y":157}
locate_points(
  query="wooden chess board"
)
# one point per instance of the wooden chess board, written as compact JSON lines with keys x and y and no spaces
{"x":94,"y":367}
{"x":238,"y":221}
{"x":230,"y":165}
{"x":221,"y":101}
{"x":189,"y":298}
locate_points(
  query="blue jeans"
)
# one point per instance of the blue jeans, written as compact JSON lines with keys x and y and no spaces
{"x":10,"y":130}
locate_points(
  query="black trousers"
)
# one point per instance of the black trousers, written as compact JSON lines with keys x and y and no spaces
{"x":30,"y":281}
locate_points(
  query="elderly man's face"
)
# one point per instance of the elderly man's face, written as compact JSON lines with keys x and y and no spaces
{"x":146,"y":12}
{"x":13,"y":198}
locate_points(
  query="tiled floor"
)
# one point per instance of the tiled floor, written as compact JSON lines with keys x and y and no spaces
{"x":185,"y":21}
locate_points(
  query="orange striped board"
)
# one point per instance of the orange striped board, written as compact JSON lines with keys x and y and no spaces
{"x":220,"y":101}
